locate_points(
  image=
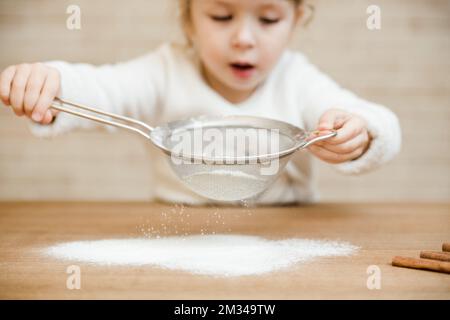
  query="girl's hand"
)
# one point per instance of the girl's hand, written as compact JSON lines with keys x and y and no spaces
{"x":30,"y":89}
{"x":352,"y":138}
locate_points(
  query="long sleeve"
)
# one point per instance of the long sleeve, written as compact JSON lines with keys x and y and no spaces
{"x":129,"y":88}
{"x":322,"y":93}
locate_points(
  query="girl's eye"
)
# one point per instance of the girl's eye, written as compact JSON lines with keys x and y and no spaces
{"x":222,"y":18}
{"x":268,"y":20}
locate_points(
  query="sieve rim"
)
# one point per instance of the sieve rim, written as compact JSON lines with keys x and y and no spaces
{"x":298,"y":136}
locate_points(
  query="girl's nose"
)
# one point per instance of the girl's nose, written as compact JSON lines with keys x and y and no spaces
{"x":243,"y":36}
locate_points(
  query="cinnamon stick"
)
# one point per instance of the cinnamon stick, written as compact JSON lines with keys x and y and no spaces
{"x":435,"y":255}
{"x":446,"y":246}
{"x":425,"y":264}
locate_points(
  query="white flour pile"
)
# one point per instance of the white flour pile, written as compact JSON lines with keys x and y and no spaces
{"x":217,"y":255}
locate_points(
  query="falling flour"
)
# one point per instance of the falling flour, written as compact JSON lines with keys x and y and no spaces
{"x":216,"y":255}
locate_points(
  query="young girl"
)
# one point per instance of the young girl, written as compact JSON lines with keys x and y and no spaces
{"x":237,"y":62}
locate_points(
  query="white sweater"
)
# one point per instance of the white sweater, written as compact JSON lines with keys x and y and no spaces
{"x":166,"y":85}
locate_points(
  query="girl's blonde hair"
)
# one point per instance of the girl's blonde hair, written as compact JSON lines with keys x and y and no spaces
{"x":184,"y":7}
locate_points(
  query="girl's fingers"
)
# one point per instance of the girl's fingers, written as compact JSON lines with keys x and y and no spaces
{"x":332,"y":119}
{"x":352,"y":127}
{"x":360,"y":140}
{"x":49,"y":92}
{"x":47,"y":118}
{"x":335,"y":158}
{"x":33,"y":88}
{"x":18,"y":88}
{"x":6,"y":78}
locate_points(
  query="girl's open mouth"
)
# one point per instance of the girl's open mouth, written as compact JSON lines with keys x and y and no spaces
{"x":243,"y":70}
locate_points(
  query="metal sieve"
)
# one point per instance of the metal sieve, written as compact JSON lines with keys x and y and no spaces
{"x":224,"y":158}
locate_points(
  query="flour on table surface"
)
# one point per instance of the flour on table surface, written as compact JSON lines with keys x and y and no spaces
{"x":216,"y":255}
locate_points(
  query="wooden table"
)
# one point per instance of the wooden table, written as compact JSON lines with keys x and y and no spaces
{"x":381,"y":230}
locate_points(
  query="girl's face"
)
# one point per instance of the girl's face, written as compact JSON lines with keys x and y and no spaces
{"x":240,"y":41}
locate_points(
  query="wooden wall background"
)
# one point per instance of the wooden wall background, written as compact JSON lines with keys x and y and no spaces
{"x":405,"y":66}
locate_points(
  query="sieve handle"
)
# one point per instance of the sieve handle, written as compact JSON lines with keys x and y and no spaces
{"x":319,"y":136}
{"x":129,"y":121}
